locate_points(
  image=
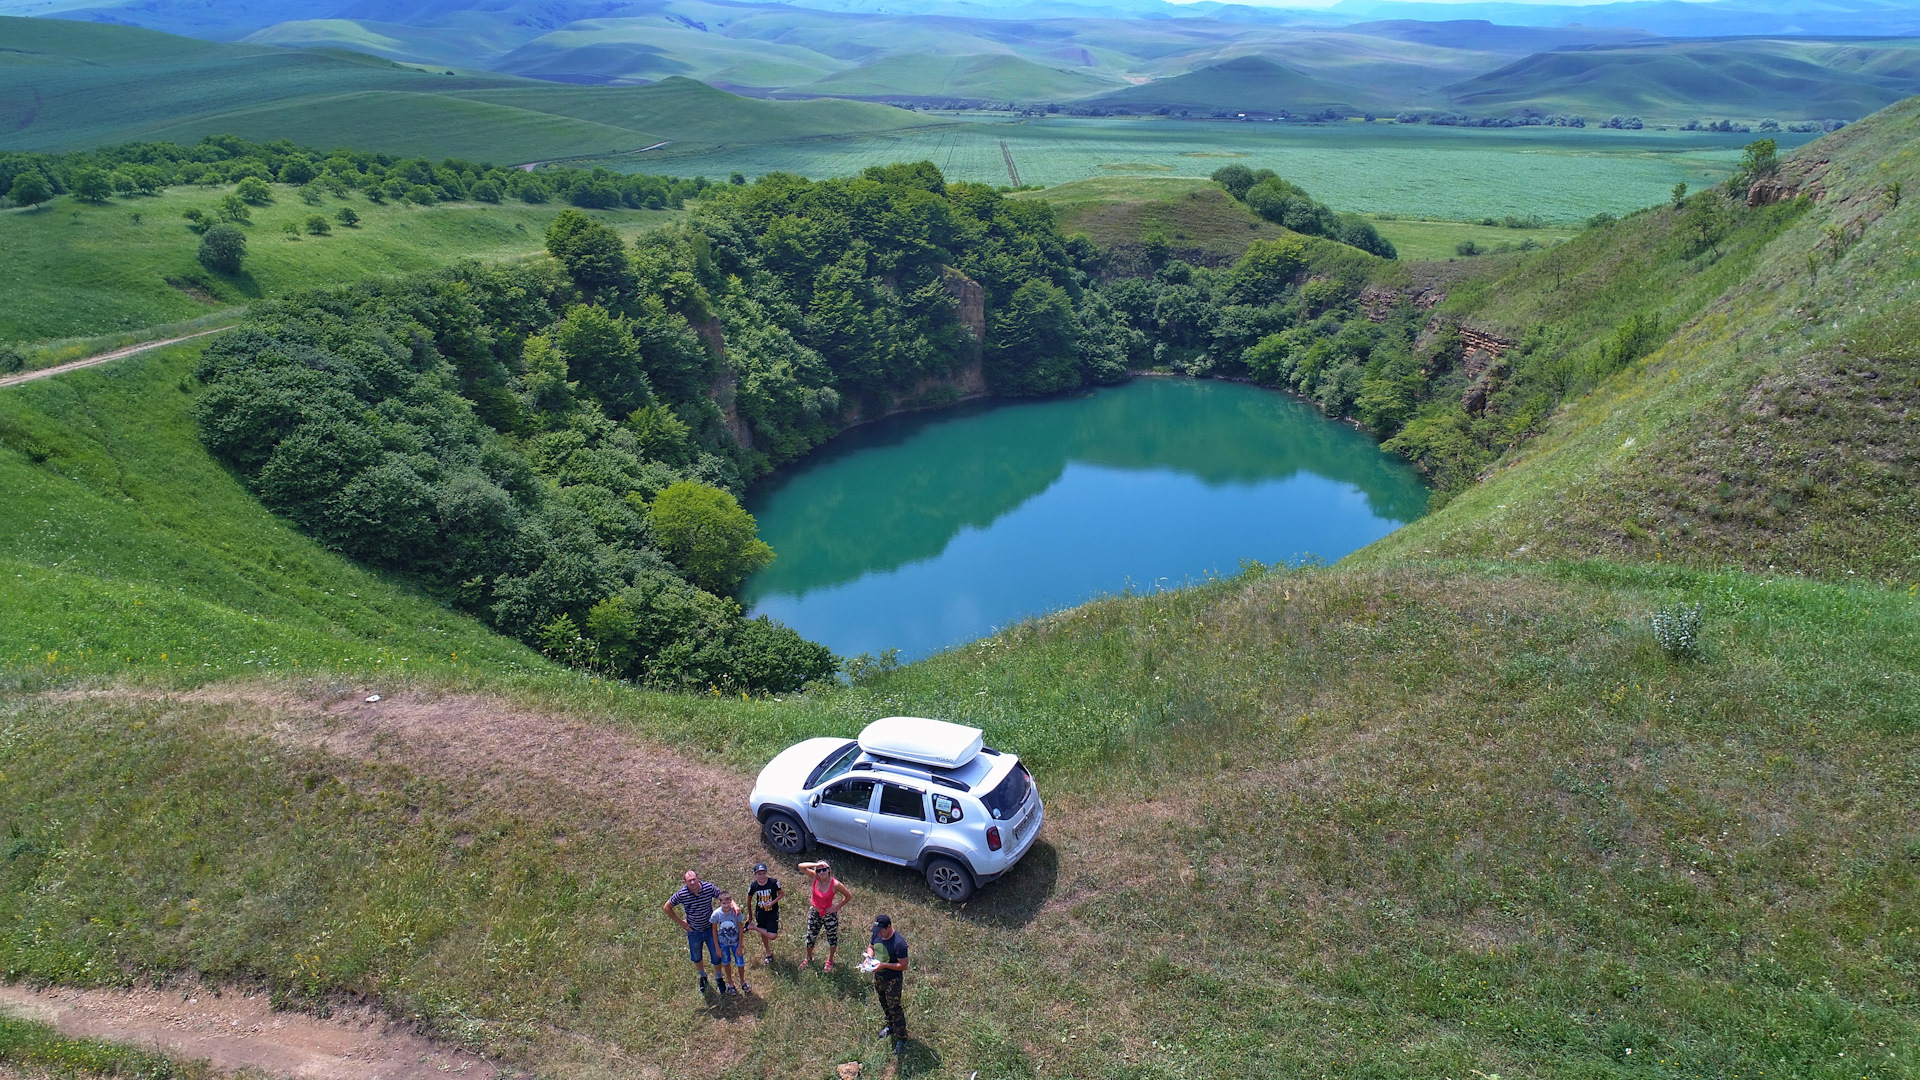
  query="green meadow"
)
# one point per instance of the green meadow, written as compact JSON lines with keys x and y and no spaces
{"x":1561,"y":175}
{"x":78,"y":270}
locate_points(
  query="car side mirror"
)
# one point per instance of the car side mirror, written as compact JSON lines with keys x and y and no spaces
{"x":815,"y":801}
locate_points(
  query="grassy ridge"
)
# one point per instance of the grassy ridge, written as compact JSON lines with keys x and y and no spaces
{"x":1769,"y":432}
{"x":79,"y":270}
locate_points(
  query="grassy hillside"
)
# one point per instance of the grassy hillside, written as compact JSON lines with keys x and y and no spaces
{"x":1784,"y":79}
{"x":1193,"y":216}
{"x":1451,"y":808}
{"x":1193,"y":213}
{"x":67,"y":85}
{"x":1005,"y":78}
{"x":1246,"y":84}
{"x":126,"y":551}
{"x":1772,"y":431}
{"x":78,"y":270}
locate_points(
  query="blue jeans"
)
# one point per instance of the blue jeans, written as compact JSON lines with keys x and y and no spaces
{"x":732,"y":956}
{"x":696,"y":939}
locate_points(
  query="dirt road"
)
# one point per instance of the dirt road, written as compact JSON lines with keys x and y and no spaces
{"x":105,"y":357}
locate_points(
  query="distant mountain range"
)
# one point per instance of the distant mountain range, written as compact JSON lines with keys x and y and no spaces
{"x":1664,"y":60}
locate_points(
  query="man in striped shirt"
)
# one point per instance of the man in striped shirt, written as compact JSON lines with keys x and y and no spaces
{"x":696,"y":898}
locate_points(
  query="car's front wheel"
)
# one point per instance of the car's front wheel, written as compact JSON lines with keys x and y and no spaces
{"x":949,"y":880}
{"x":784,"y":833}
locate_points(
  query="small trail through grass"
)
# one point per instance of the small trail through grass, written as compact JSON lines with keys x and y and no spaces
{"x":239,"y":1030}
{"x":103,"y":358}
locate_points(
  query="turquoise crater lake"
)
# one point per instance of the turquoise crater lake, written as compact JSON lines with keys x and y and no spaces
{"x":925,"y":531}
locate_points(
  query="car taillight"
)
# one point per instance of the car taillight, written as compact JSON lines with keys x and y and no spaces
{"x":993,"y":837}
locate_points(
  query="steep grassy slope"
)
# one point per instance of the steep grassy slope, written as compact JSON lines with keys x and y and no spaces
{"x":79,"y":270}
{"x":125,"y":549}
{"x":67,"y":85}
{"x":1773,"y":431}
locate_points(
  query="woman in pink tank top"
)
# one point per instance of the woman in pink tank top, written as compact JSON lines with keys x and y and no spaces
{"x":829,"y":894}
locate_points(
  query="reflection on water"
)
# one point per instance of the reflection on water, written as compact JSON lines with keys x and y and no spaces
{"x":923,"y":532}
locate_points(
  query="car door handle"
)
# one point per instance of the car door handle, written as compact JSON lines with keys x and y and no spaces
{"x":918,"y":832}
{"x":859,"y":821}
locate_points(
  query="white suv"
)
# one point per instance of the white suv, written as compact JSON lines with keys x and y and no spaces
{"x":919,"y":793}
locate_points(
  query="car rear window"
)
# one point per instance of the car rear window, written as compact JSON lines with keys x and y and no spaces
{"x":1009,"y":795}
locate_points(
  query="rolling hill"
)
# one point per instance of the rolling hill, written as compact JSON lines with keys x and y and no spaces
{"x":67,"y":85}
{"x":1001,"y":78}
{"x":1250,"y":84}
{"x":1787,"y":80}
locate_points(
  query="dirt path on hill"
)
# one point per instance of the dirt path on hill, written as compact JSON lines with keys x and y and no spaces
{"x":512,"y":755}
{"x":105,"y":357}
{"x":233,"y":1031}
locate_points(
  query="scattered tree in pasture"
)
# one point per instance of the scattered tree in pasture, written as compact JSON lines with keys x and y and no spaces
{"x":318,"y":225}
{"x":1679,"y":194}
{"x":347,"y":216}
{"x":234,"y":209}
{"x":30,"y":189}
{"x":223,"y":249}
{"x":310,"y":194}
{"x":254,"y":190}
{"x":92,"y":185}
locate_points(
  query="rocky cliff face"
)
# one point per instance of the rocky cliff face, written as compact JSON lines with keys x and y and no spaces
{"x":967,"y":381}
{"x":721,"y":390}
{"x":1480,"y":360}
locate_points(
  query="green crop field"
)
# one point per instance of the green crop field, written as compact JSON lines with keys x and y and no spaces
{"x":1419,"y":239}
{"x":1561,"y":175}
{"x":75,"y":270}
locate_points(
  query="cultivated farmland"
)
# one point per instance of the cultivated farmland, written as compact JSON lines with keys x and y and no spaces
{"x":1559,"y":174}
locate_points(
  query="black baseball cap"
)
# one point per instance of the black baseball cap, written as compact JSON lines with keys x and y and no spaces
{"x":882,"y":920}
{"x":759,"y":868}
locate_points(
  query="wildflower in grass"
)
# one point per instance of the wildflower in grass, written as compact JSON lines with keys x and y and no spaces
{"x":1677,"y":629}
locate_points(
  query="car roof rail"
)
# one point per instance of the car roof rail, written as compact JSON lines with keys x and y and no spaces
{"x":918,"y":772}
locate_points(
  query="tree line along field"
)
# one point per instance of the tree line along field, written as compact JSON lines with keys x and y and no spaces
{"x":79,"y":270}
{"x":1558,"y":175}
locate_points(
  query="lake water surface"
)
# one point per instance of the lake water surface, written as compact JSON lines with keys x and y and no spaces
{"x":925,"y":531}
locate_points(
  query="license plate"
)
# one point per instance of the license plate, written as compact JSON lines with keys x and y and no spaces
{"x":1024,"y":827}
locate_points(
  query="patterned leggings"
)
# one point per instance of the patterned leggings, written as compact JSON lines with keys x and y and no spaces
{"x":815,"y":921}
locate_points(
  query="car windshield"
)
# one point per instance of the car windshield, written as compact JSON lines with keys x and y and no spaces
{"x":1009,"y":795}
{"x":834,"y":764}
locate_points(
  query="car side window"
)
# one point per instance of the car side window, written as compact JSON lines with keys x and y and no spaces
{"x":902,"y":802}
{"x":853,"y":794}
{"x":946,"y":809}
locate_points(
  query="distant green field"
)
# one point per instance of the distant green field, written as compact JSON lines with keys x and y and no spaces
{"x":76,"y":270}
{"x":1420,"y":240}
{"x":1562,"y":175}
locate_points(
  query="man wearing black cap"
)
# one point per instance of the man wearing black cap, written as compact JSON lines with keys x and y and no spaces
{"x":888,"y":952}
{"x":764,"y":892}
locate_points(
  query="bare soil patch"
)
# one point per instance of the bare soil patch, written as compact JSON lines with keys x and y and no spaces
{"x":235,"y":1031}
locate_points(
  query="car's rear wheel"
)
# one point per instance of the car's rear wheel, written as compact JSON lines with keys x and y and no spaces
{"x":784,"y":833}
{"x":949,"y":880}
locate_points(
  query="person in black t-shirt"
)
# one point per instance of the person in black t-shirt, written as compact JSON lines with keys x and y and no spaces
{"x":763,"y":894}
{"x":888,"y":951}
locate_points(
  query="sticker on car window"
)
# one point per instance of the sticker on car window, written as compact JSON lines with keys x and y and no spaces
{"x":945,"y":810}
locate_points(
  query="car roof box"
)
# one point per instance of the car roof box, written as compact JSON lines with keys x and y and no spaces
{"x":928,"y":742}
